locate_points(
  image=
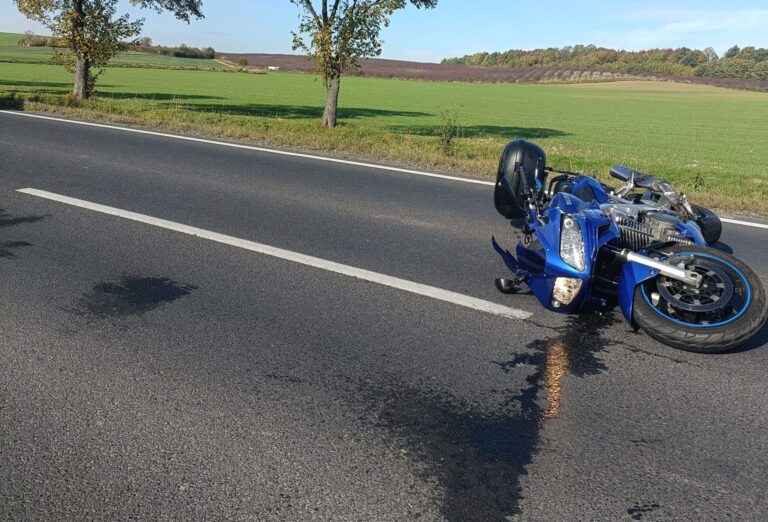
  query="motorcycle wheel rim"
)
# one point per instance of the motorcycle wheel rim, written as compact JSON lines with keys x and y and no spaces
{"x":737,"y":302}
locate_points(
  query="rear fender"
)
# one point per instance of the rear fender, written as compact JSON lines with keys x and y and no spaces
{"x":632,"y":274}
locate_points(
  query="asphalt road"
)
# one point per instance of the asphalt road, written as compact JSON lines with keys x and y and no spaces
{"x":150,"y":374}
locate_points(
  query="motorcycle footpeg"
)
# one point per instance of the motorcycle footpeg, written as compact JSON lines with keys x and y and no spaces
{"x":506,"y":286}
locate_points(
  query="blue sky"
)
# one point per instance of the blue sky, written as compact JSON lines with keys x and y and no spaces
{"x":458,"y":27}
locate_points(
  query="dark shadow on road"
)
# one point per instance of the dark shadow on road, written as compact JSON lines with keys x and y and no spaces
{"x":758,"y":341}
{"x":480,"y":456}
{"x":724,"y":247}
{"x":130,"y":296}
{"x":478,"y":131}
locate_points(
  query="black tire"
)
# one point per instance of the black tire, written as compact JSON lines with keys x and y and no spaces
{"x":657,"y":322}
{"x":709,"y":223}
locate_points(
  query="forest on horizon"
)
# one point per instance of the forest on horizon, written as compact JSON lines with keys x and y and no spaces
{"x":748,"y":63}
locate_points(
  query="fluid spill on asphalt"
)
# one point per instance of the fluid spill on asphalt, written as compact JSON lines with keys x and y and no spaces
{"x":643,"y":441}
{"x":479,"y":456}
{"x":572,"y":351}
{"x":7,"y":247}
{"x":6,"y":220}
{"x":639,"y":510}
{"x":130,"y":296}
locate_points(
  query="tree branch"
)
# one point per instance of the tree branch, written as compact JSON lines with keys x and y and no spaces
{"x":334,"y":9}
{"x":311,"y":9}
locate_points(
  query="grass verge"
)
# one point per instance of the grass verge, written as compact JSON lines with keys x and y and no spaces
{"x":475,"y":156}
{"x":709,"y":142}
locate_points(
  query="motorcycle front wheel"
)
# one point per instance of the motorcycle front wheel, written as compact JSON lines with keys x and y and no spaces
{"x":726,"y":311}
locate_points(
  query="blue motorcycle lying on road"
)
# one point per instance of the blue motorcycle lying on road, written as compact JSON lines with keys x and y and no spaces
{"x":585,"y":245}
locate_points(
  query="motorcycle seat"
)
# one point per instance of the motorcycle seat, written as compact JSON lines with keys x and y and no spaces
{"x":641,"y":179}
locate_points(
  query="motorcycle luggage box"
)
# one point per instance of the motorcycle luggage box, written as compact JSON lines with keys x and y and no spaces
{"x":517,"y":172}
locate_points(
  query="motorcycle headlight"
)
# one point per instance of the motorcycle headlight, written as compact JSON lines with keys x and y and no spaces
{"x":572,"y":244}
{"x":565,"y":291}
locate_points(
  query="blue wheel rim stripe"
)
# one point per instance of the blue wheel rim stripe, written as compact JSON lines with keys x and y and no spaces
{"x":690,"y":325}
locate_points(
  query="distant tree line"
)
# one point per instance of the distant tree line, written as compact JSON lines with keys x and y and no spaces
{"x":749,"y":63}
{"x":30,"y":39}
{"x":144,"y":45}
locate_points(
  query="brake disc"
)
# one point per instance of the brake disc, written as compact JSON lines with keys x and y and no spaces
{"x":715,"y":291}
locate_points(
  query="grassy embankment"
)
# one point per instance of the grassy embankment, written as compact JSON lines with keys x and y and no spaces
{"x":709,"y":141}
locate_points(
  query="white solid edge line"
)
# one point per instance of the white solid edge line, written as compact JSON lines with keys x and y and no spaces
{"x":744,"y":223}
{"x":250,"y":147}
{"x":300,"y":155}
{"x":315,"y":262}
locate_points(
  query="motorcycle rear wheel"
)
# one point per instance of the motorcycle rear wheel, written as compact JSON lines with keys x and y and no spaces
{"x":727,"y":311}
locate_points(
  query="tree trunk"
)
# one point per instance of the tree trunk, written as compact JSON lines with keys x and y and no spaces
{"x":82,"y":64}
{"x":331,"y":101}
{"x":82,"y":69}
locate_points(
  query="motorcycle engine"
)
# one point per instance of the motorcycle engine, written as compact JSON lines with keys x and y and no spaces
{"x":649,"y":228}
{"x":663,"y":226}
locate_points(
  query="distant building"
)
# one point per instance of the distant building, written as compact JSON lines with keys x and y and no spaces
{"x":273,"y":68}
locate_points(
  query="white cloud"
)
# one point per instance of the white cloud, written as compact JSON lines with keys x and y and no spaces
{"x":692,"y":28}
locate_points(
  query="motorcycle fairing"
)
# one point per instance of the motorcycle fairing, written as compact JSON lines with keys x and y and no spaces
{"x":506,"y":255}
{"x":632,"y":274}
{"x":540,"y":262}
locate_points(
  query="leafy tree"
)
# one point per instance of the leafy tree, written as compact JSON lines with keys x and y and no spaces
{"x":339,"y":35}
{"x":732,"y":52}
{"x":92,"y":33}
{"x":711,"y":54}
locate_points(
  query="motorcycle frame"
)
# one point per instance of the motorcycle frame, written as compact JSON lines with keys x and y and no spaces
{"x":538,"y":262}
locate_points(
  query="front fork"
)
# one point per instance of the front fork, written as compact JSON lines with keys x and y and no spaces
{"x":689,"y":277}
{"x":639,"y":268}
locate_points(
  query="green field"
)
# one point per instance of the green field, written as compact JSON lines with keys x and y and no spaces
{"x":11,"y":52}
{"x":710,"y":141}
